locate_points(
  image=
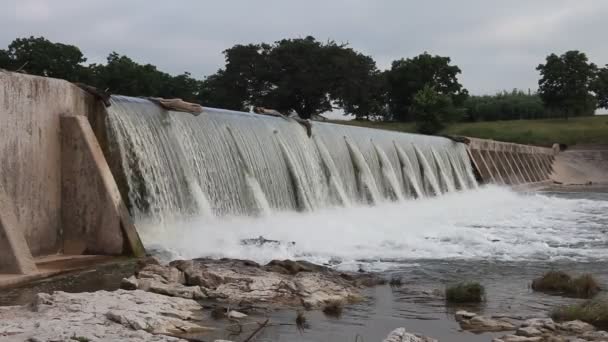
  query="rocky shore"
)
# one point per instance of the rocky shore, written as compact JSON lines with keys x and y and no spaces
{"x":203,"y":299}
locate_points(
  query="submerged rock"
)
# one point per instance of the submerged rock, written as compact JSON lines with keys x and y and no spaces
{"x":401,"y":335}
{"x":99,"y":316}
{"x":477,"y":323}
{"x":235,"y":281}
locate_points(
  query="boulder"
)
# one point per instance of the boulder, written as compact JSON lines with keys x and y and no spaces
{"x":121,"y":315}
{"x":484,"y":324}
{"x":517,"y":338}
{"x":401,"y":335}
{"x":576,"y":327}
{"x":528,"y":332}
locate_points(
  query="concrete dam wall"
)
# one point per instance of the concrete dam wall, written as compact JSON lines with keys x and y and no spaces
{"x":511,"y":164}
{"x":74,"y":174}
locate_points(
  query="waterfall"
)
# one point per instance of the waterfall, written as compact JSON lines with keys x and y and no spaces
{"x":427,"y":171}
{"x":392,"y":184}
{"x":332,"y":173}
{"x":366,"y":181}
{"x":253,"y":185}
{"x":408,"y":171}
{"x":224,"y":163}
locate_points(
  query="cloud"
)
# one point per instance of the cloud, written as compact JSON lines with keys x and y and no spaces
{"x":497,"y":44}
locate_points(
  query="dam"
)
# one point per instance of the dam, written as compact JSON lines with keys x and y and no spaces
{"x":82,"y":180}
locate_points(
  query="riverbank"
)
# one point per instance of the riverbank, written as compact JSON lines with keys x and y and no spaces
{"x":574,"y":131}
{"x":236,"y":297}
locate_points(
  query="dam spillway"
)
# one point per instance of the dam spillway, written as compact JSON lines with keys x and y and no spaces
{"x":233,"y":163}
{"x":77,"y":174}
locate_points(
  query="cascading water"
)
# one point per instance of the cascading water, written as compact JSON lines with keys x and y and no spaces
{"x":226,"y":164}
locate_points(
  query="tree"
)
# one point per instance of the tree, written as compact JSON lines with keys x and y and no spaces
{"x":409,"y":76}
{"x":513,"y":105}
{"x":565,"y":83}
{"x":297,"y":75}
{"x":39,"y":56}
{"x":432,"y":110}
{"x":600,"y":87}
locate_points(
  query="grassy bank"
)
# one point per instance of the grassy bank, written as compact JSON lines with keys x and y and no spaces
{"x":581,"y":130}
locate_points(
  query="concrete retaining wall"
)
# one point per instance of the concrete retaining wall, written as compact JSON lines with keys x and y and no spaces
{"x":55,"y":188}
{"x":511,"y":164}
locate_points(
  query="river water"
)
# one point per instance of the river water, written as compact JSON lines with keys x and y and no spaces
{"x":493,"y":235}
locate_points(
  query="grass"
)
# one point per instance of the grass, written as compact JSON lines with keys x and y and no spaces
{"x":333,"y":308}
{"x":593,"y":311}
{"x":395,"y":282}
{"x":467,"y":292}
{"x":558,"y":282}
{"x":578,"y":130}
{"x":301,"y":321}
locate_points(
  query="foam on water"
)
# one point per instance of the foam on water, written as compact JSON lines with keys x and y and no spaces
{"x":488,"y":223}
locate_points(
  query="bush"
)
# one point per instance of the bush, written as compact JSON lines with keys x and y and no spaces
{"x":593,"y":311}
{"x":558,"y":282}
{"x":333,"y":308}
{"x":469,"y":292}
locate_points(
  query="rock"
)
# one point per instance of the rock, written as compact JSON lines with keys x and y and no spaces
{"x":576,"y":327}
{"x":235,"y":281}
{"x":129,"y":283}
{"x":528,"y":332}
{"x":598,"y":335}
{"x":121,"y":315}
{"x":540,"y":323}
{"x":516,"y":338}
{"x":236,"y":314}
{"x":166,"y":274}
{"x":485,"y":324}
{"x":401,"y":335}
{"x":464,"y":315}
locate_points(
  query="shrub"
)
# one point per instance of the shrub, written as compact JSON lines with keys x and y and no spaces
{"x":467,"y":292}
{"x":593,"y":311}
{"x":333,"y":308}
{"x":395,"y":282}
{"x":558,"y":282}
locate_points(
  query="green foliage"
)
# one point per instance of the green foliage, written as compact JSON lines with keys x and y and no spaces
{"x":600,"y":87}
{"x":505,"y":106}
{"x":301,"y":75}
{"x":432,"y":110}
{"x":593,"y":311}
{"x":39,"y":56}
{"x":409,"y":76}
{"x":333,"y":308}
{"x":565,"y":83}
{"x":558,"y":282}
{"x":468,"y":292}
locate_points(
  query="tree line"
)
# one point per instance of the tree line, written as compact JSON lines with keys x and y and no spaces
{"x":310,"y":77}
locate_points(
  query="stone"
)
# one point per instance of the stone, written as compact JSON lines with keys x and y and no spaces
{"x":528,"y":332}
{"x":129,"y":283}
{"x":540,"y":323}
{"x":236,"y":314}
{"x":576,"y":327}
{"x":485,"y":324}
{"x":166,"y":274}
{"x":401,"y":335}
{"x":236,"y":281}
{"x":133,"y":316}
{"x":463,"y":315}
{"x":516,"y":338}
{"x":598,"y":335}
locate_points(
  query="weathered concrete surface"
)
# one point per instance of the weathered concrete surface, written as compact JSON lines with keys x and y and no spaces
{"x":30,"y":152}
{"x":93,"y":211}
{"x":511,"y":164}
{"x":99,"y":316}
{"x":58,"y":187}
{"x":15,"y":256}
{"x":581,"y":165}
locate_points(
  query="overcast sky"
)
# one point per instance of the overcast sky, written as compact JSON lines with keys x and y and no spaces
{"x":497,"y":44}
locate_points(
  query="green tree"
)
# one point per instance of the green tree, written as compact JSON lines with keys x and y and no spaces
{"x":600,"y":87}
{"x":40,"y":56}
{"x":432,"y":110}
{"x":408,"y":76}
{"x":565,"y":83}
{"x":513,"y":105}
{"x":301,"y":75}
